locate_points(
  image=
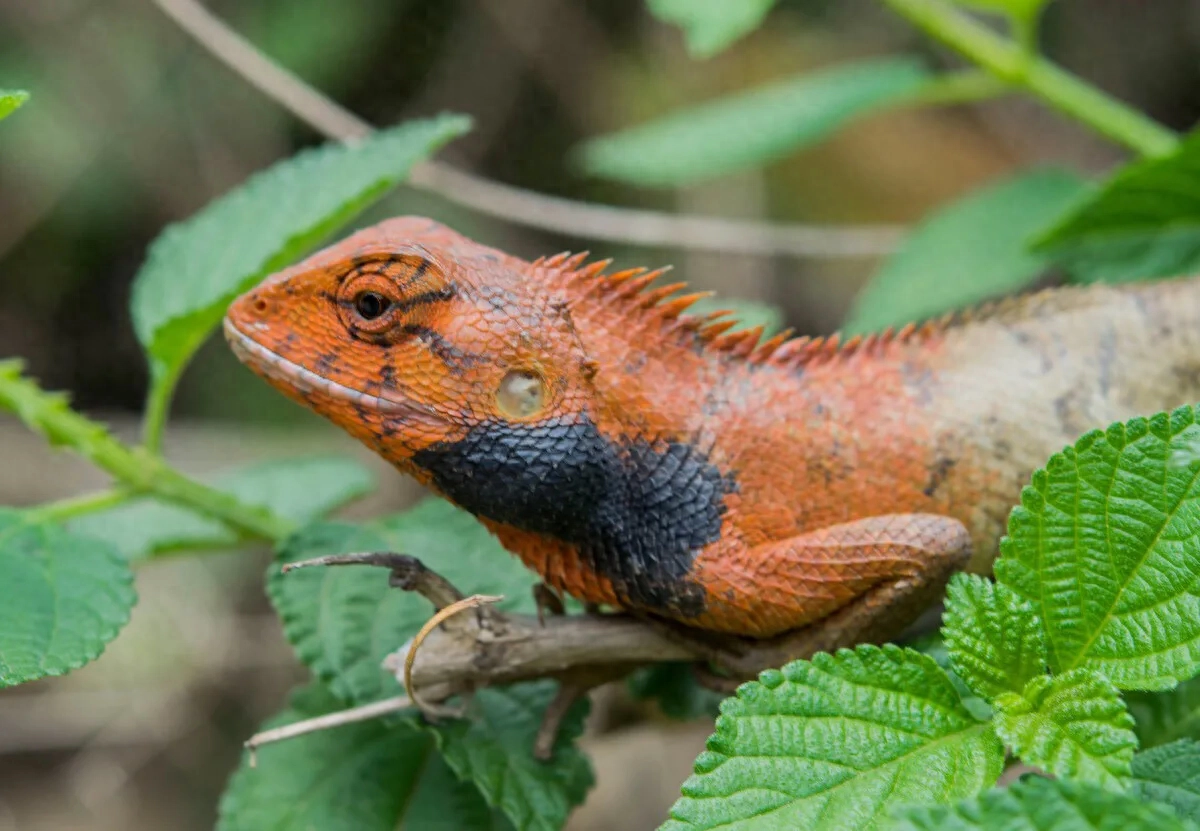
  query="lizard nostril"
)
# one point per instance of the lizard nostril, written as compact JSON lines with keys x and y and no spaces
{"x":261,"y":305}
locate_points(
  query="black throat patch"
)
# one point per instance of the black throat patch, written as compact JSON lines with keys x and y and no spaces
{"x":637,"y":513}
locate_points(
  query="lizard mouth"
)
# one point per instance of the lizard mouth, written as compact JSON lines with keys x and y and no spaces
{"x":273,"y":365}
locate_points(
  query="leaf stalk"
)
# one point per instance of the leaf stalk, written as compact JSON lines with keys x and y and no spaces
{"x":158,"y":405}
{"x":1018,"y":64}
{"x":77,"y":506}
{"x":139,"y":471}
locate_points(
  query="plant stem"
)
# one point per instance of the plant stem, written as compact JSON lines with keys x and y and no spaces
{"x":1025,"y":28}
{"x":75,"y":506}
{"x":138,"y":470}
{"x":1010,"y":62}
{"x":963,"y":87}
{"x":158,"y":403}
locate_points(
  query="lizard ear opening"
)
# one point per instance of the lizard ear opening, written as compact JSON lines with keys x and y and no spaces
{"x":521,"y":394}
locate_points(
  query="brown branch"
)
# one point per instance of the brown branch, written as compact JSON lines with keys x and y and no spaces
{"x":517,"y":648}
{"x":512,"y":204}
{"x":493,"y":647}
{"x":465,"y":652}
{"x":502,"y":648}
{"x":651,"y":228}
{"x":509,"y":647}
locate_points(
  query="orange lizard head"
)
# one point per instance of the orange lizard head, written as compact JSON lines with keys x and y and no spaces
{"x":409,"y":335}
{"x":463,"y":367}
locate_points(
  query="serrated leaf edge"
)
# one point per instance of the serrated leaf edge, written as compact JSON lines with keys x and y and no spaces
{"x":1119,"y":436}
{"x":710,"y":760}
{"x":109,"y":632}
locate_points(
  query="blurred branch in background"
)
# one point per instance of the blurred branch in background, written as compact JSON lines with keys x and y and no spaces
{"x":513,"y":204}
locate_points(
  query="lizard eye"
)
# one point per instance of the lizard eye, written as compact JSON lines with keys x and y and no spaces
{"x":381,"y":298}
{"x":522,"y":393}
{"x":368,"y":305}
{"x":371,"y":305}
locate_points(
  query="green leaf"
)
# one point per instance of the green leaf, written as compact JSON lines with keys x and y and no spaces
{"x":972,"y":250}
{"x":1019,"y":9}
{"x":933,"y":645}
{"x":492,"y":748}
{"x":1037,"y":804}
{"x":995,"y":640}
{"x":835,"y":743}
{"x":369,"y":776}
{"x":300,"y":490}
{"x":194,"y":269}
{"x":1187,"y":452}
{"x":1165,"y":716}
{"x":711,"y":25}
{"x":749,"y":128}
{"x":65,"y":597}
{"x":1074,"y":724}
{"x":1144,"y":222}
{"x":344,"y":621}
{"x":1170,"y":774}
{"x":1104,"y":545}
{"x":10,"y":100}
{"x":674,"y":686}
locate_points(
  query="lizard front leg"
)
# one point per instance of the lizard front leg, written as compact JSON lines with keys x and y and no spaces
{"x":837,"y":586}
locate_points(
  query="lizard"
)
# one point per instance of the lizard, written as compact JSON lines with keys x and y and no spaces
{"x":642,"y":457}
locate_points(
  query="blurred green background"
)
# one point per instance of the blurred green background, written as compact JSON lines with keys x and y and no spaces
{"x":133,"y":126}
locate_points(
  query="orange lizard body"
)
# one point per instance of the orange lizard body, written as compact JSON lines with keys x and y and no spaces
{"x":636,"y":456}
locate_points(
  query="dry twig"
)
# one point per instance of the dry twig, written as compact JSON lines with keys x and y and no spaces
{"x":327,"y":722}
{"x":512,"y":204}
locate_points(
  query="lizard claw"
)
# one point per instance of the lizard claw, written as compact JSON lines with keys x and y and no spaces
{"x":547,"y":600}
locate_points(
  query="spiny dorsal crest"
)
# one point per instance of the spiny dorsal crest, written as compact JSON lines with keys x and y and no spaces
{"x":632,"y":287}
